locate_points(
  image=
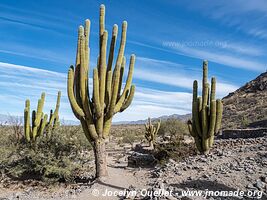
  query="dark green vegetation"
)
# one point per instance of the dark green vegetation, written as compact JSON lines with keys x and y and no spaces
{"x":63,"y":157}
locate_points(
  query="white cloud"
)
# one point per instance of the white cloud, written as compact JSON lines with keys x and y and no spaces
{"x":222,"y":58}
{"x":151,"y":70}
{"x":21,"y":82}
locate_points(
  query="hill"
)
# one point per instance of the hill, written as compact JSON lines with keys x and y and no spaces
{"x":247,"y":105}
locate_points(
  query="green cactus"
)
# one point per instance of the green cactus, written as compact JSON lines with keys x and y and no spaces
{"x":108,"y":98}
{"x":54,"y":117}
{"x":39,"y":119}
{"x":151,"y":132}
{"x":206,"y":113}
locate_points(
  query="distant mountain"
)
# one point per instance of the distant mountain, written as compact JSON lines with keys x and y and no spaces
{"x":11,"y":119}
{"x":183,"y":118}
{"x":247,"y":105}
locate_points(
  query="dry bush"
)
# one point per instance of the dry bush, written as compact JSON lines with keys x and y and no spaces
{"x":63,"y":157}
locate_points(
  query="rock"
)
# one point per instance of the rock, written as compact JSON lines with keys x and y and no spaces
{"x":205,"y":176}
{"x":259,"y":184}
{"x":141,"y":160}
{"x":250,"y":186}
{"x":264,"y":179}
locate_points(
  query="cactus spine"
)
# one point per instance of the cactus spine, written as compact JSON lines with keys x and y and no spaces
{"x":39,"y":119}
{"x":108,"y":98}
{"x":151,"y":132}
{"x":206,"y":113}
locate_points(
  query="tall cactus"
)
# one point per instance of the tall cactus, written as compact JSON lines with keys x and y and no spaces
{"x":206,"y":113}
{"x":151,"y":132}
{"x":39,"y":119}
{"x":54,"y":117}
{"x":108,"y":98}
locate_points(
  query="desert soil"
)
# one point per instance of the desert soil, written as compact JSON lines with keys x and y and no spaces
{"x":234,"y":164}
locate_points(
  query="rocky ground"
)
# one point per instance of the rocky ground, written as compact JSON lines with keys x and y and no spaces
{"x":233,"y":165}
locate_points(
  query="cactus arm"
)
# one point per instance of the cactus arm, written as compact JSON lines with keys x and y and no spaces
{"x":212,"y":110}
{"x":96,"y":97}
{"x":76,"y":78}
{"x":129,"y":99}
{"x":112,"y":47}
{"x":115,"y":88}
{"x":121,"y":76}
{"x":42,"y":125}
{"x":108,"y":89}
{"x":212,"y":119}
{"x":158,"y":126}
{"x":83,"y":77}
{"x":27,"y":120}
{"x":88,"y":103}
{"x":74,"y":105}
{"x":205,"y":75}
{"x":204,"y":112}
{"x":199,"y":100}
{"x":87,"y":50}
{"x":195,"y":109}
{"x":58,"y":102}
{"x":116,"y":73}
{"x":213,"y":89}
{"x":39,"y":110}
{"x":219,"y":111}
{"x":127,"y":86}
{"x":122,"y":45}
{"x":103,"y":69}
{"x":109,"y":65}
{"x":101,"y":24}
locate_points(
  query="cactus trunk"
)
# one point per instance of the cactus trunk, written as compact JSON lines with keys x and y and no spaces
{"x":206,"y":113}
{"x":96,"y":110}
{"x":100,"y":158}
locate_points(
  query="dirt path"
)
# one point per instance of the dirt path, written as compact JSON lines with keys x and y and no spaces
{"x":120,"y":179}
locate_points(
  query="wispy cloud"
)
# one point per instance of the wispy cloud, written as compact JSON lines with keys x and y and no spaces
{"x":233,"y":13}
{"x":175,"y":75}
{"x":21,"y":82}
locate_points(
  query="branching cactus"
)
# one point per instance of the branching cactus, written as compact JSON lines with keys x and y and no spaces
{"x":206,"y":113}
{"x":54,"y":122}
{"x":151,"y":132}
{"x":38,"y":124}
{"x":39,"y":120}
{"x":95,"y":110}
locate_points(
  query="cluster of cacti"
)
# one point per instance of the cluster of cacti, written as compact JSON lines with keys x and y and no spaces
{"x":39,"y":119}
{"x":151,"y":132}
{"x":108,"y":98}
{"x":206,"y":113}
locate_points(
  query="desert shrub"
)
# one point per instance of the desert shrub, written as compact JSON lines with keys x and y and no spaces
{"x":244,"y":122}
{"x":173,"y":127}
{"x":176,"y":150}
{"x":128,"y":133}
{"x":62,"y":157}
{"x":129,"y":137}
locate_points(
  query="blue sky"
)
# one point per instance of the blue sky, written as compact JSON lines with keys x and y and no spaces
{"x":169,"y":38}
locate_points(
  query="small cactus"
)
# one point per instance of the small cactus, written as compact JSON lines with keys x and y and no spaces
{"x":151,"y":132}
{"x":39,"y":119}
{"x":206,"y":113}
